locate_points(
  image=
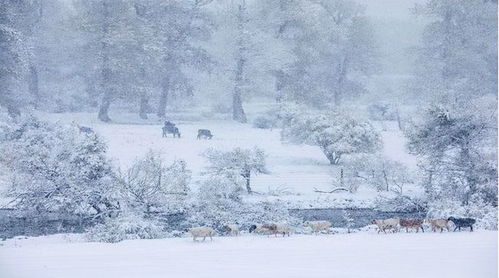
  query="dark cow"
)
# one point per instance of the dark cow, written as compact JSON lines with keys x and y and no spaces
{"x":170,"y":128}
{"x":462,"y":223}
{"x":204,"y":133}
{"x":85,"y":129}
{"x":412,"y":223}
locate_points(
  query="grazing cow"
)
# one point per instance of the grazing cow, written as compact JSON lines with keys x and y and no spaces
{"x":204,"y":133}
{"x":439,"y":224}
{"x":412,"y":223}
{"x":84,"y":129}
{"x":271,"y":229}
{"x":390,"y":223}
{"x":462,"y":223}
{"x":283,"y":229}
{"x":170,"y":128}
{"x":231,"y":229}
{"x":263,"y":229}
{"x":202,"y":232}
{"x":318,"y":226}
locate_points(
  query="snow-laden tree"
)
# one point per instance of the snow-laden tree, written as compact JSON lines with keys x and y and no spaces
{"x":179,"y":28}
{"x":456,"y":152}
{"x":150,"y":186}
{"x":236,"y":163}
{"x":57,"y":169}
{"x":458,"y":56}
{"x":336,"y":134}
{"x":247,"y":53}
{"x":379,"y":172}
{"x":106,"y":27}
{"x":335,"y":50}
{"x":219,"y":201}
{"x":14,"y":53}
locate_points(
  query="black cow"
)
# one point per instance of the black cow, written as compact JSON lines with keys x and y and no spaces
{"x":204,"y":133}
{"x":462,"y":222}
{"x":85,"y":129}
{"x":170,"y":128}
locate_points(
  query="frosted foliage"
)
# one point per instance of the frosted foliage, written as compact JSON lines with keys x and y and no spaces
{"x":150,"y":186}
{"x":126,"y":226}
{"x":56,"y":168}
{"x":335,"y":134}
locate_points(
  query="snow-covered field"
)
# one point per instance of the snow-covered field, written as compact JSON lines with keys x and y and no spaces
{"x":295,"y":170}
{"x":460,"y":254}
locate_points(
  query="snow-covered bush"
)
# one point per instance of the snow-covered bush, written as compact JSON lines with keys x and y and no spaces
{"x":485,"y":214}
{"x":378,"y":172}
{"x":57,"y":169}
{"x":219,"y":201}
{"x":236,"y":163}
{"x":125,"y":226}
{"x":400,"y":203}
{"x":151,"y":186}
{"x":336,"y":134}
{"x":455,"y":151}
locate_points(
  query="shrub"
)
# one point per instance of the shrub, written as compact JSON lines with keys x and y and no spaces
{"x":336,"y":134}
{"x":57,"y":169}
{"x":123,"y":227}
{"x":150,"y":186}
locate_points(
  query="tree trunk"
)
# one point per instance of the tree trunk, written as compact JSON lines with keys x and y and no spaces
{"x":104,"y":109}
{"x":338,"y":92}
{"x":279,"y":84}
{"x":342,"y":179}
{"x":34,"y":84}
{"x":385,"y":177}
{"x":237,"y":107}
{"x":334,"y":158}
{"x":399,"y":121}
{"x":247,"y":175}
{"x":106,"y":67}
{"x":144,"y":107}
{"x":237,"y":102}
{"x":163,"y":100}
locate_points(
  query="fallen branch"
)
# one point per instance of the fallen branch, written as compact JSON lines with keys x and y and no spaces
{"x":332,"y":191}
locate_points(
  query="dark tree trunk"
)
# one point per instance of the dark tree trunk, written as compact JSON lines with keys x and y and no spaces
{"x":247,"y":175}
{"x":163,"y":100}
{"x":338,"y":93}
{"x":399,"y":121}
{"x":237,"y":107}
{"x":144,"y":107}
{"x":104,"y":109}
{"x":34,"y":84}
{"x":342,"y":178}
{"x":279,"y":84}
{"x":385,"y":178}
{"x":237,"y":102}
{"x":334,"y":158}
{"x":106,"y":67}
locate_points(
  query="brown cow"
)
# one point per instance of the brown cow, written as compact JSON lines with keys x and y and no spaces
{"x":412,"y":223}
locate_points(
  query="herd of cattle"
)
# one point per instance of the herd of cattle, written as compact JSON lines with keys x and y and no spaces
{"x":170,"y":128}
{"x":390,"y":224}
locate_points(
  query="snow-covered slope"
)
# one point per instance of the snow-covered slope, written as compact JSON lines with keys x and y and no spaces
{"x":295,"y":170}
{"x":370,"y":255}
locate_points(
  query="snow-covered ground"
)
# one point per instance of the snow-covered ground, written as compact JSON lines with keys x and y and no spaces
{"x":295,"y":170}
{"x":365,"y":254}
